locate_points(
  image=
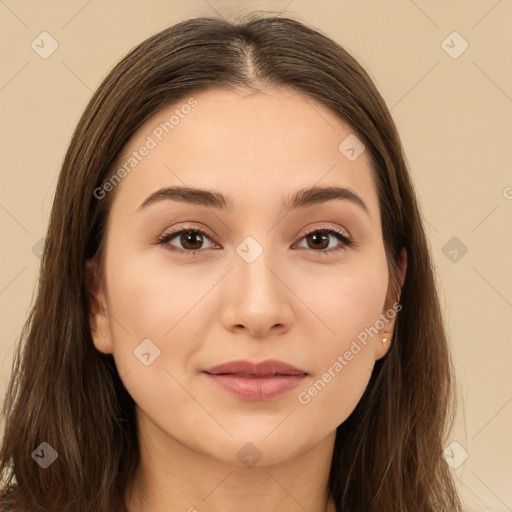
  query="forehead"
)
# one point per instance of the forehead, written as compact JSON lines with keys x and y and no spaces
{"x":254,"y":147}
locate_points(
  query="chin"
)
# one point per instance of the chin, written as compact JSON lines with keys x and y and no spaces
{"x":259,"y":449}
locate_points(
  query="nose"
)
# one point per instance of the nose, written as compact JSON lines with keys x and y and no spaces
{"x":257,"y":298}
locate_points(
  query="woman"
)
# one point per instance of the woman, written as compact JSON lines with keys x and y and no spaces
{"x":237,"y":306}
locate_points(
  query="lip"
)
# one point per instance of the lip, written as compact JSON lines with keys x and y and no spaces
{"x":256,"y":381}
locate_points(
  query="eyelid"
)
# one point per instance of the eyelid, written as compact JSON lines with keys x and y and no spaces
{"x":328,"y":227}
{"x":167,"y":235}
{"x":346,"y":241}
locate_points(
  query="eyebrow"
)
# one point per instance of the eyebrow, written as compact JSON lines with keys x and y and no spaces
{"x":210,"y":198}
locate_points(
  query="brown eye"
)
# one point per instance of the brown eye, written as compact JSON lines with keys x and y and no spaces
{"x":191,"y":240}
{"x":319,"y":240}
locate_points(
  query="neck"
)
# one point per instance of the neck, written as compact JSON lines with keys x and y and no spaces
{"x":171,"y":476}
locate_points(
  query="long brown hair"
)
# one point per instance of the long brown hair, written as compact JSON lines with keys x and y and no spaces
{"x":388,"y":453}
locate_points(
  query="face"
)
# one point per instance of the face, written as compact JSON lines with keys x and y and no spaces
{"x":304,"y":284}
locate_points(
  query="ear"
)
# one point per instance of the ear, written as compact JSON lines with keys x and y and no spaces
{"x":391,"y":310}
{"x":99,"y":318}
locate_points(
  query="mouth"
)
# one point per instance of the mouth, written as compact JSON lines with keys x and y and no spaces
{"x":256,"y":381}
{"x":268,"y":368}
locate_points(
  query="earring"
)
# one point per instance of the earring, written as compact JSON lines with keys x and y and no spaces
{"x":385,"y":341}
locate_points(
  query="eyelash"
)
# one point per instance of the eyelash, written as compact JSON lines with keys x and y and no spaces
{"x":330,"y":230}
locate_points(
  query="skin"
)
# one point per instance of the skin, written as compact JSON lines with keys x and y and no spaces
{"x":292,"y":303}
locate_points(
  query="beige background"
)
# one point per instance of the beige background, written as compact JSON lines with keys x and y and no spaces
{"x":453,"y":115}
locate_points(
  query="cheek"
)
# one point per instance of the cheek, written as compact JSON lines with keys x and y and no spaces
{"x":151,"y":300}
{"x":150,"y":296}
{"x":345,"y":300}
{"x":155,"y":330}
{"x":332,"y":395}
{"x":348,"y":306}
{"x":141,"y":308}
